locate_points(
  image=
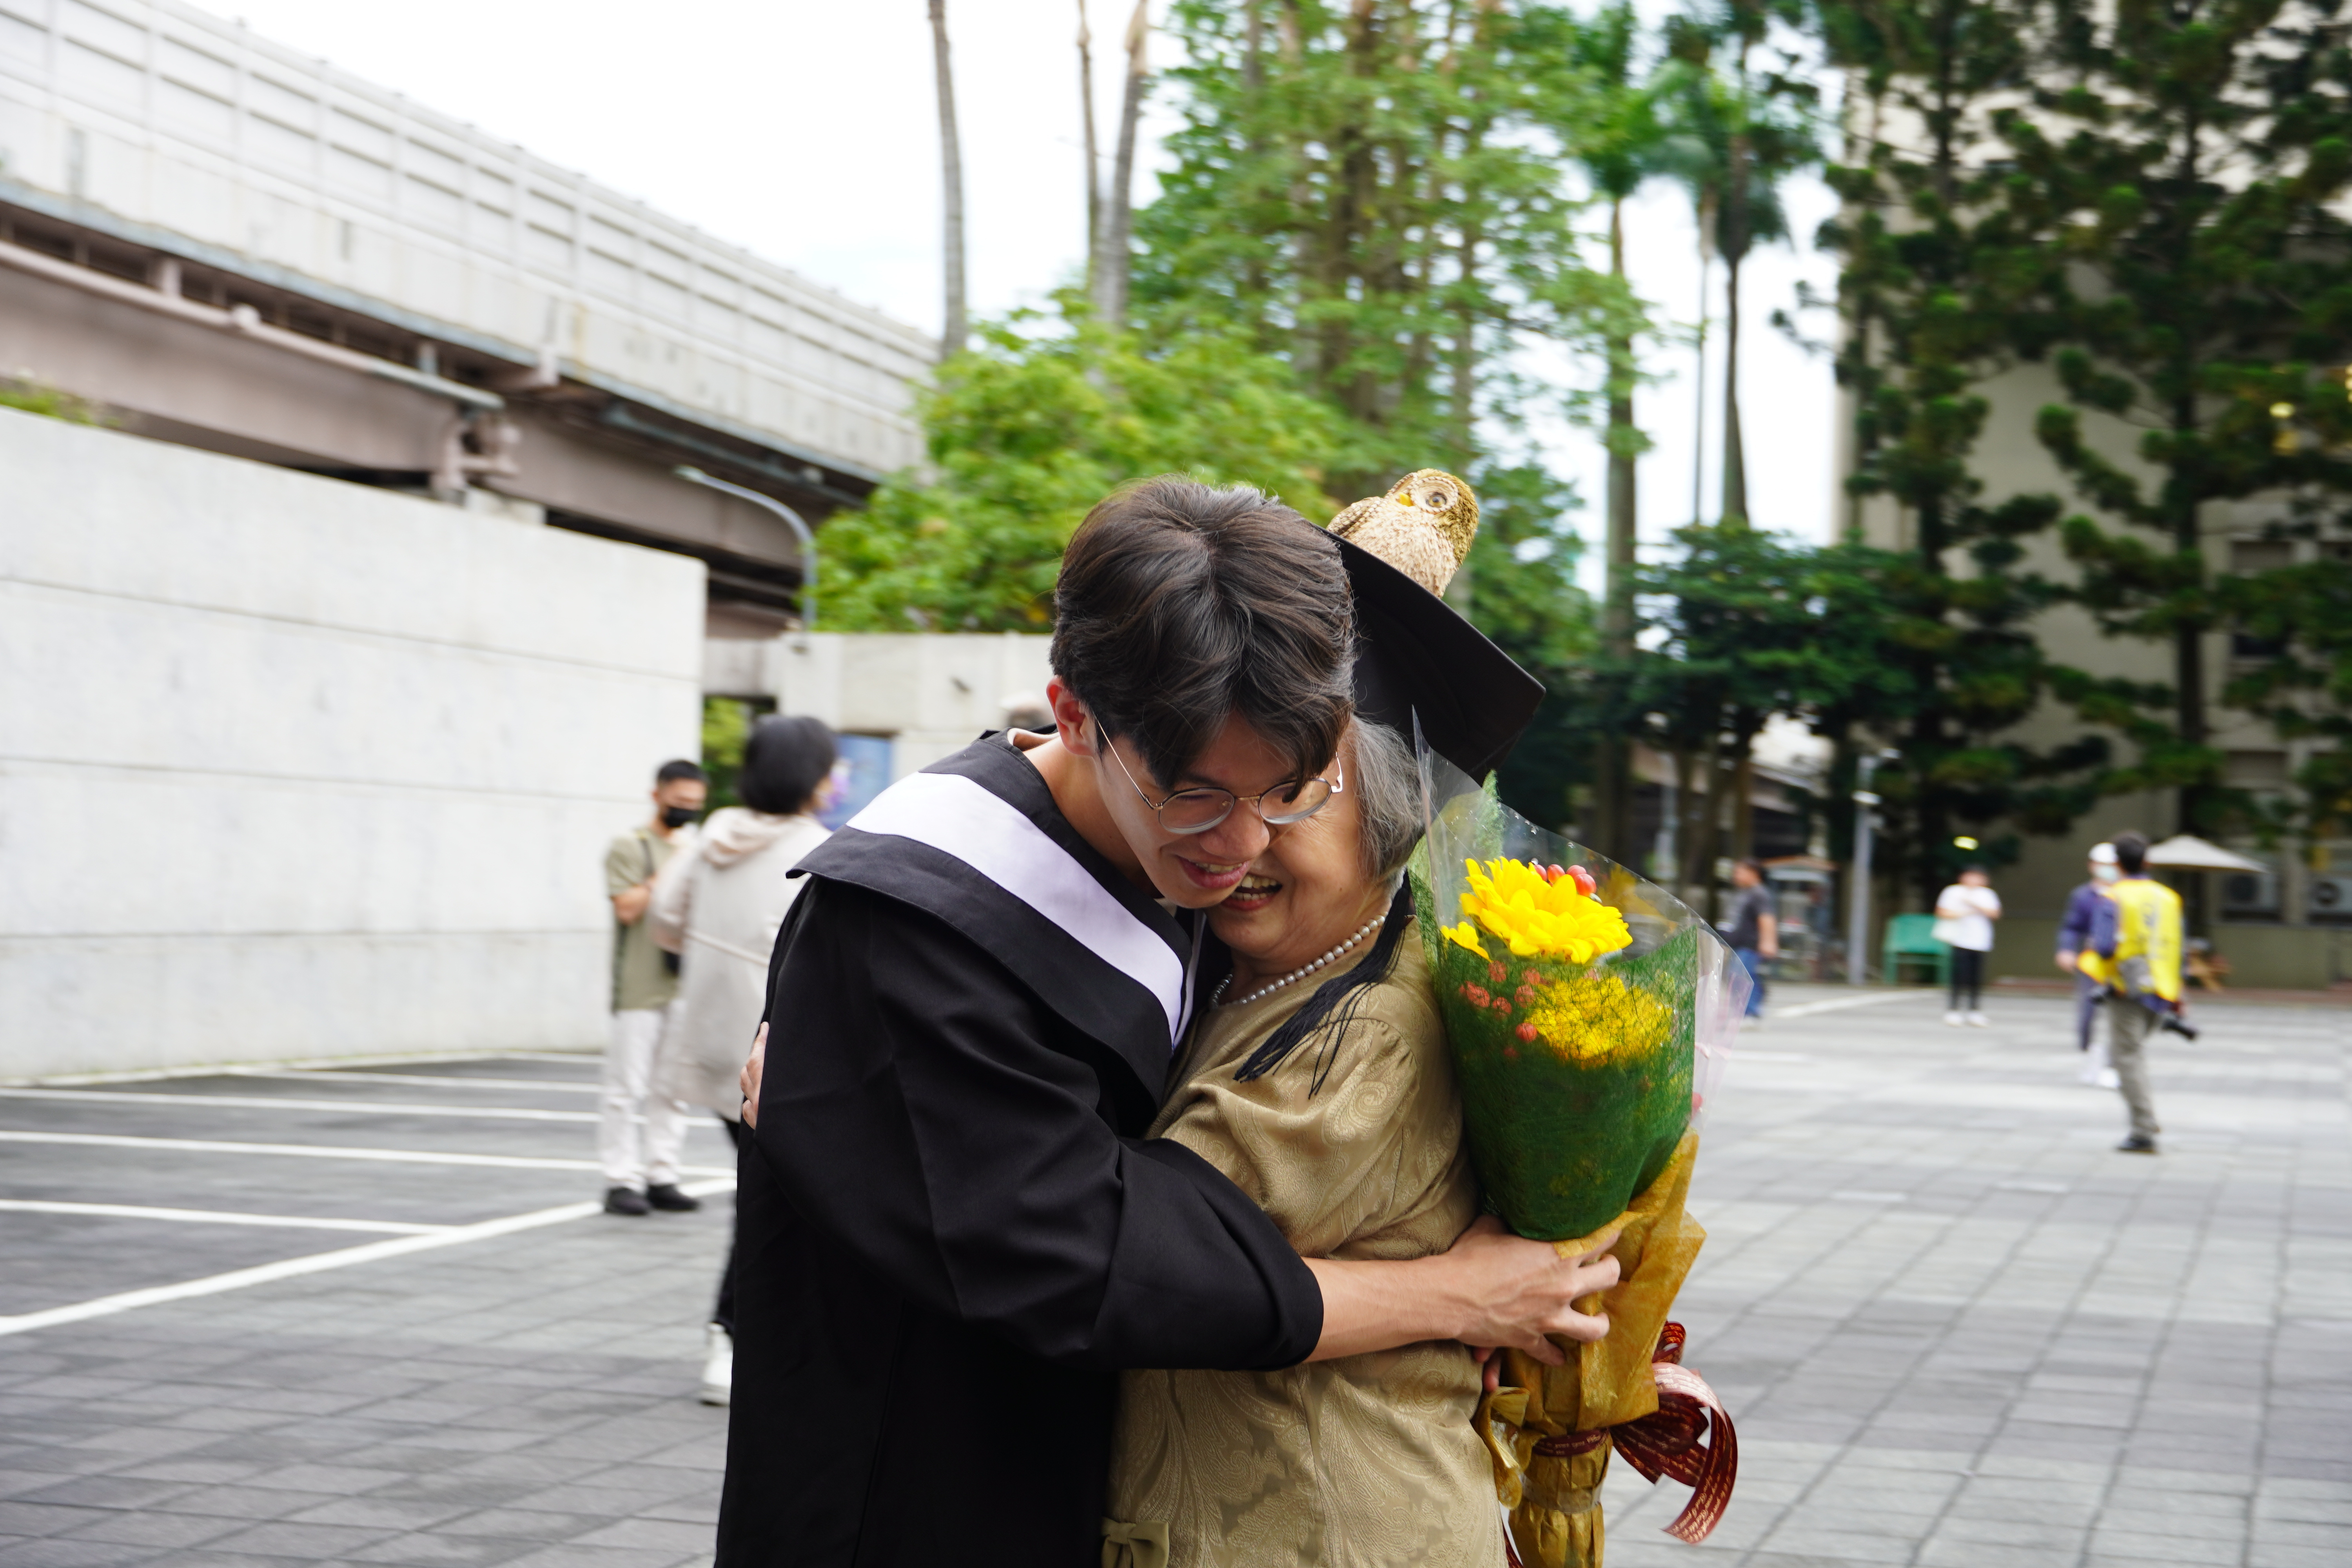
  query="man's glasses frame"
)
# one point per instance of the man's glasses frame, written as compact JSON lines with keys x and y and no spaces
{"x":1316,"y":792}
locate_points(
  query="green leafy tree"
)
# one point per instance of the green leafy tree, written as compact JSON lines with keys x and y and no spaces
{"x":1373,"y":192}
{"x":1734,"y":614}
{"x":2188,"y":160}
{"x":1030,"y":428}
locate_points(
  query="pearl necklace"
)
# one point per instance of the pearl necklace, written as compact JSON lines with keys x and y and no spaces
{"x":1217,"y":997}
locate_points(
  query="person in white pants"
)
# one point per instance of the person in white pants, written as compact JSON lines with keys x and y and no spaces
{"x":641,"y":1172}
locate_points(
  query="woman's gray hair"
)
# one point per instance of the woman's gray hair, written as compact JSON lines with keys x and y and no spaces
{"x":1386,"y":784}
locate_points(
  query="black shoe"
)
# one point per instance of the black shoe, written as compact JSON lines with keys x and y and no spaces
{"x":2137,"y":1143}
{"x":626,"y":1200}
{"x":665,"y":1196}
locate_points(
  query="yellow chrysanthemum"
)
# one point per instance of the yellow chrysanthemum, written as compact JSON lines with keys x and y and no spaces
{"x":1537,"y":916}
{"x":1465,"y":935}
{"x":1595,"y":1018}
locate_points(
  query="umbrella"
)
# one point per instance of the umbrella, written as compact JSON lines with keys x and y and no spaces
{"x":2187,"y":852}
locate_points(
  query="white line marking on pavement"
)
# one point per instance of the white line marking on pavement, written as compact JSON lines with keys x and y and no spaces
{"x":214,"y":1070}
{"x":1840,"y":1004}
{"x":338,"y":1075}
{"x":319,"y":1152}
{"x":316,"y":1263}
{"x":277,"y":1102}
{"x":1847,"y":1195}
{"x":217,"y":1217}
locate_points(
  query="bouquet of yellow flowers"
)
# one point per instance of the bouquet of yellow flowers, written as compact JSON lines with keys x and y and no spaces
{"x":1590,"y":1013}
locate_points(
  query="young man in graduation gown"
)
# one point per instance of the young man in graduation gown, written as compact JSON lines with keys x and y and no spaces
{"x":951,"y":1235}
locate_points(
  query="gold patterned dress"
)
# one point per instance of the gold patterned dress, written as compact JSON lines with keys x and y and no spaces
{"x":1367,"y":1461}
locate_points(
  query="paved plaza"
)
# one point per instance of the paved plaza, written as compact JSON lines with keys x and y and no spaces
{"x":1954,"y":1325}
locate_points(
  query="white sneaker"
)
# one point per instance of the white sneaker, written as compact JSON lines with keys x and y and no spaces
{"x":2108,"y":1078}
{"x":718,"y":1366}
{"x":1953,"y":1019}
{"x":1979,"y":1021}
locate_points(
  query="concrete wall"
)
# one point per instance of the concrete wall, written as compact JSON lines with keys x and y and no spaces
{"x":290,"y":767}
{"x":931,"y":692}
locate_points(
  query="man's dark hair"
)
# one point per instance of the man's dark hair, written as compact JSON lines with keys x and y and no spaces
{"x":679,"y":768}
{"x":1752,"y":864}
{"x":2131,"y":852}
{"x":783,"y":761}
{"x":1181,"y":607}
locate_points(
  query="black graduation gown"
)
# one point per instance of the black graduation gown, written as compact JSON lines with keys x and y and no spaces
{"x":949,"y":1235}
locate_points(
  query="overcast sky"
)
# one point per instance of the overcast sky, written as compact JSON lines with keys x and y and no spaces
{"x":806,"y":132}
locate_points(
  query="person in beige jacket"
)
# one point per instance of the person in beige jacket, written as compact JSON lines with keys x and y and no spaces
{"x":718,"y":908}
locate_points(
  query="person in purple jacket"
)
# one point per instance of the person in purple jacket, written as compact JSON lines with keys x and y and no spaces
{"x":2074,"y":936}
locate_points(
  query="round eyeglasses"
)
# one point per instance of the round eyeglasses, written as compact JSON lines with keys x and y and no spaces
{"x":1199,"y":809}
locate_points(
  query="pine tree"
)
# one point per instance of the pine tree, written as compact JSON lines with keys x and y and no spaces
{"x":1938,"y":280}
{"x":2187,"y":159}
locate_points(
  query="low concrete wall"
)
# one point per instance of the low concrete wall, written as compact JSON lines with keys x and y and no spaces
{"x":290,"y":767}
{"x":931,"y":692}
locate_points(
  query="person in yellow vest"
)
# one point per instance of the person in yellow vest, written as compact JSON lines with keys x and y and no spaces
{"x":2134,"y":951}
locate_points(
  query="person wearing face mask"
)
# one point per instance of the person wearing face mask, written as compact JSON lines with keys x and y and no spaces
{"x":719,"y":907}
{"x":2074,"y":936}
{"x":641,"y":1172}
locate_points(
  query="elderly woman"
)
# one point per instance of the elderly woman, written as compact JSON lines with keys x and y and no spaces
{"x":1333,"y":1105}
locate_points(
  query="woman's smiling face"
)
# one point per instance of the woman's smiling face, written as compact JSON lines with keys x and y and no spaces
{"x":1305,"y":893}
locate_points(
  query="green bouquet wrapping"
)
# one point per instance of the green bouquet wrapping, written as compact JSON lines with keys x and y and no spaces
{"x":1589,"y":1011}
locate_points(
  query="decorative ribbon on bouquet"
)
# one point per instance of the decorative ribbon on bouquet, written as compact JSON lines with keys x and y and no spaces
{"x":1551,"y":1429}
{"x":1666,"y":1442}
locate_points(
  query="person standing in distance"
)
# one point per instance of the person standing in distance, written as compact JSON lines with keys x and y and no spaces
{"x":719,"y":907}
{"x":1964,"y":915}
{"x":1753,"y":930}
{"x":641,"y":1175}
{"x":2137,"y":934}
{"x":2074,"y":936}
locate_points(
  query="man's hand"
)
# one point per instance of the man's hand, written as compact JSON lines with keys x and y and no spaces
{"x":2065,"y":962}
{"x":748,"y":1081}
{"x":1492,"y":1288}
{"x":629,"y":904}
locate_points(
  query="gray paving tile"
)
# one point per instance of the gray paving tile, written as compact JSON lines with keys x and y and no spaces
{"x":1972,"y":1376}
{"x":313,"y":1543}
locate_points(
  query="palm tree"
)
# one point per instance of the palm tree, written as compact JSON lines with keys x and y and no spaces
{"x":1116,"y":244}
{"x":1618,"y":139}
{"x":1737,"y":133}
{"x":956,"y":328}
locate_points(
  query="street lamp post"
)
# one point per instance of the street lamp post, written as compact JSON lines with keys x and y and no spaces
{"x":1857,"y":934}
{"x":793,"y":518}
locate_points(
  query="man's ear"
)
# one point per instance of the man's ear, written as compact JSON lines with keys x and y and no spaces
{"x":1072,"y":719}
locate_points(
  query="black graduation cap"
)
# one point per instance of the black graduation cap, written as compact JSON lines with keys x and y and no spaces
{"x":1416,"y":656}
